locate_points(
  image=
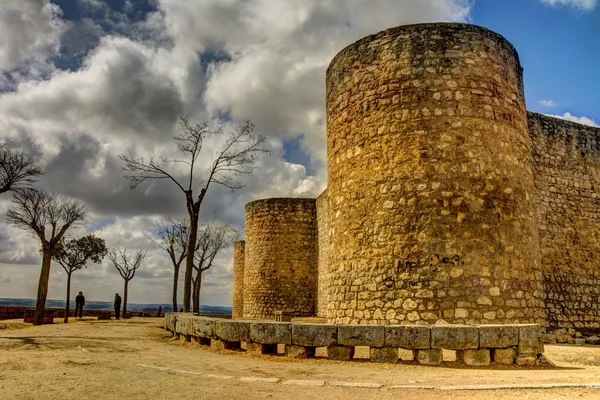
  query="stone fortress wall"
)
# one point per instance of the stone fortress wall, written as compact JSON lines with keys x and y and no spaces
{"x":446,"y":200}
{"x":238,"y":278}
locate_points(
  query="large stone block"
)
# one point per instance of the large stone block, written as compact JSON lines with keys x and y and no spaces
{"x":293,"y":351}
{"x":454,"y":337}
{"x":170,"y":322}
{"x":315,"y":335}
{"x":504,"y":356}
{"x":233,"y":331}
{"x":530,"y":339}
{"x":271,"y":332}
{"x":183,"y":324}
{"x":408,"y":337}
{"x":384,"y":354}
{"x":498,"y":336}
{"x":340,"y":353}
{"x":428,"y":356}
{"x":361,"y":335}
{"x":203,"y":327}
{"x":475,"y":357}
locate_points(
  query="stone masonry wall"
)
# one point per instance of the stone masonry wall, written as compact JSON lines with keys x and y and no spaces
{"x":430,"y":181}
{"x":281,"y":257}
{"x":323,"y":254}
{"x":238,"y":279}
{"x":566,"y":166}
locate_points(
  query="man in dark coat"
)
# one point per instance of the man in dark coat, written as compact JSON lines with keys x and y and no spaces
{"x":79,"y":303}
{"x":117,"y":306}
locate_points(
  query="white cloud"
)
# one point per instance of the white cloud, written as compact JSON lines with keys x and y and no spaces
{"x":547,"y":103}
{"x":586,"y":5}
{"x":580,"y":120}
{"x":29,"y":32}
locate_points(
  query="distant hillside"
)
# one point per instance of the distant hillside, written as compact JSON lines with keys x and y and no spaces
{"x":104,"y":305}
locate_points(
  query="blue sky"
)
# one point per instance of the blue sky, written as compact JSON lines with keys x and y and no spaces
{"x":83,"y":81}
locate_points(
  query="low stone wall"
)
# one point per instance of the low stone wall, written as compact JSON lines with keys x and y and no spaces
{"x":24,"y":312}
{"x":474,"y":345}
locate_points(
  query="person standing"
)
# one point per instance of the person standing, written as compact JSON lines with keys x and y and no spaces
{"x":117,"y":305}
{"x":159,"y":310}
{"x":79,"y":303}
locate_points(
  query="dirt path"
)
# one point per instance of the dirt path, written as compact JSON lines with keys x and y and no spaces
{"x":135,"y":359}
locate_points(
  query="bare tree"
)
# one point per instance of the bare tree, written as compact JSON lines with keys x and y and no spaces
{"x":213,"y":238}
{"x":173,"y":236}
{"x":17,"y":170}
{"x":126,"y":264}
{"x":74,"y":255}
{"x":48,"y":216}
{"x":235,"y":158}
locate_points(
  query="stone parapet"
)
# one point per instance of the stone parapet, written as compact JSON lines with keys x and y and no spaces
{"x":475,"y":345}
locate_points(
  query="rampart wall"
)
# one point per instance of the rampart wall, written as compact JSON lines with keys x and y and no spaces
{"x":323,"y":233}
{"x":566,"y":168}
{"x":238,"y":279}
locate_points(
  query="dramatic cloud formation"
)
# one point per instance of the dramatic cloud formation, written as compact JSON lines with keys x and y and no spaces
{"x":78,"y":92}
{"x":586,"y":5}
{"x":581,"y":120}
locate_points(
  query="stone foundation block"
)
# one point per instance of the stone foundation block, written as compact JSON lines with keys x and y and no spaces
{"x":233,"y":331}
{"x":428,"y":357}
{"x":170,"y":322}
{"x":217,"y":344}
{"x":454,"y":337}
{"x":530,"y":340}
{"x":203,"y":327}
{"x":183,"y":324}
{"x":293,"y":351}
{"x":408,"y":337}
{"x":526,"y":361}
{"x":202,"y":340}
{"x":340,"y":353}
{"x":384,"y":354}
{"x":498,"y":336}
{"x":225,"y":344}
{"x":185,"y":338}
{"x":504,"y":356}
{"x":474,"y":357}
{"x":361,"y":335}
{"x":314,"y":335}
{"x":271,"y":332}
{"x":261,"y":348}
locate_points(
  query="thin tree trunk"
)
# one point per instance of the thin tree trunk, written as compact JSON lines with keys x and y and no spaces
{"x":197,"y":285}
{"x":40,"y":304}
{"x":124,"y":312}
{"x":189,"y":260}
{"x":175,"y":279}
{"x":68,"y":297}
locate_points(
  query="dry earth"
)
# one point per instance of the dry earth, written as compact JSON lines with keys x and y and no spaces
{"x":136,"y":359}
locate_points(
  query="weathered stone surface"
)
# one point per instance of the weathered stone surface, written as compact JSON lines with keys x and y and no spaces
{"x":526,"y":361}
{"x":340,"y":353}
{"x":498,"y":336}
{"x":504,"y":356}
{"x":293,"y":351}
{"x":579,"y":341}
{"x":233,"y":331}
{"x":271,"y":332}
{"x":170,"y":321}
{"x":593,"y":340}
{"x":474,"y":357}
{"x":428,"y":357}
{"x":203,"y":327}
{"x":361,"y":335}
{"x":530,"y":340}
{"x":317,"y":335}
{"x":384,"y":354}
{"x":408,"y":337}
{"x":183,"y":323}
{"x":237,"y":304}
{"x":454,"y":337}
{"x":549,"y":338}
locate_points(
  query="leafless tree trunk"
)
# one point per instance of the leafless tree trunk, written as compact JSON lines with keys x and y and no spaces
{"x":126,"y":264}
{"x":40,"y":212}
{"x":67,"y":305}
{"x":173,"y":238}
{"x":17,"y":170}
{"x":235,"y":158}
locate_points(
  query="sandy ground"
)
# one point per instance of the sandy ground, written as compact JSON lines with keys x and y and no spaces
{"x":137,"y":359}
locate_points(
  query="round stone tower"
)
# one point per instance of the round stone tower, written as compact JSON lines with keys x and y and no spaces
{"x":430,"y":181}
{"x":281,"y":257}
{"x":238,"y":279}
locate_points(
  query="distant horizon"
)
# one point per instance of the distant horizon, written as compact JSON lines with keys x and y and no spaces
{"x":102,"y":301}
